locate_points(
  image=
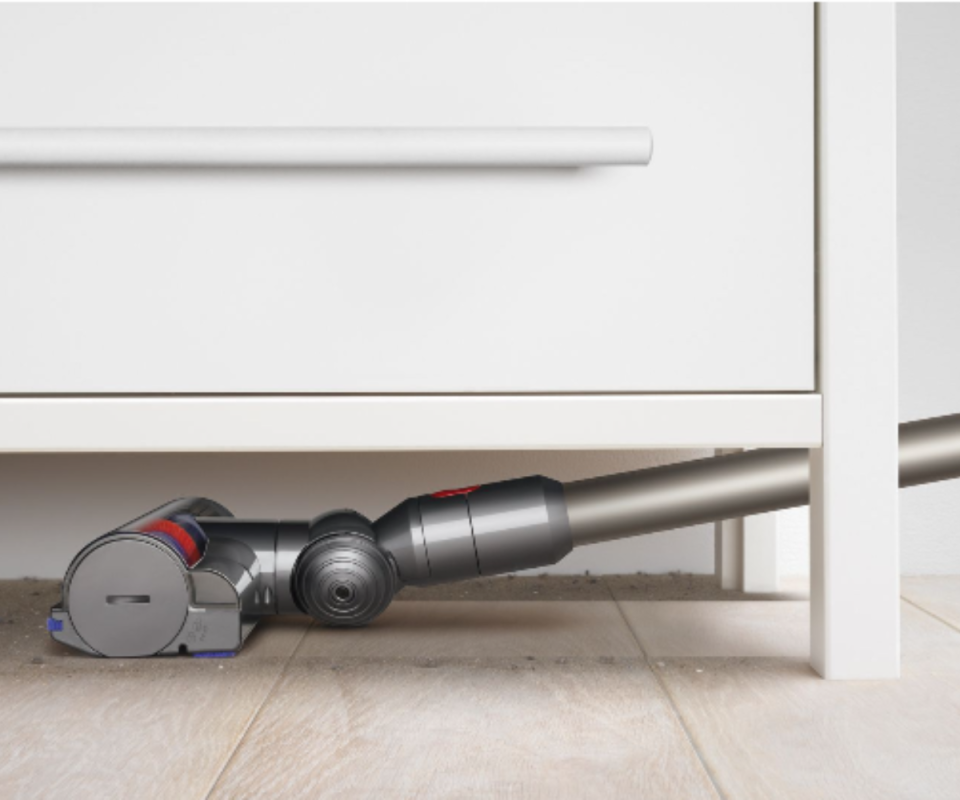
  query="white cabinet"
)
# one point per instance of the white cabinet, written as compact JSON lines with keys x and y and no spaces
{"x":693,"y":274}
{"x":478,"y":307}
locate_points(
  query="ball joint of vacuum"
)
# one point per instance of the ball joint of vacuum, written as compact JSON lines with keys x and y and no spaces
{"x":342,"y":578}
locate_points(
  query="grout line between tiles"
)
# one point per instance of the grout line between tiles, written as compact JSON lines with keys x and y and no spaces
{"x":676,"y":711}
{"x":256,"y":714}
{"x":927,"y":611}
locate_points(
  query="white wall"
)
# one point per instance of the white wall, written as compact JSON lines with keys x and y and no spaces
{"x":929,"y":230}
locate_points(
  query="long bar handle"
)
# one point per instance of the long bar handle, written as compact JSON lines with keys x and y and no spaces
{"x":324,"y":147}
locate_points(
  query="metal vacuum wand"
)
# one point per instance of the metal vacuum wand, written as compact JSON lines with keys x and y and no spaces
{"x":725,"y":487}
{"x":190,"y":578}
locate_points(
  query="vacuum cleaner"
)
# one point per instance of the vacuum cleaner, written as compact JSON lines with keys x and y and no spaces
{"x":190,"y":578}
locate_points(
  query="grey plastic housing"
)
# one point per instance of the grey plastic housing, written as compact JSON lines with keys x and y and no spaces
{"x":128,"y":596}
{"x":341,"y":577}
{"x":485,"y":530}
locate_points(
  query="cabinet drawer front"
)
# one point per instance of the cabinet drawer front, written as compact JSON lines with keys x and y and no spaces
{"x":694,"y":273}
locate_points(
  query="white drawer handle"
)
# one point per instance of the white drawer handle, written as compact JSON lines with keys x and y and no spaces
{"x":324,"y":147}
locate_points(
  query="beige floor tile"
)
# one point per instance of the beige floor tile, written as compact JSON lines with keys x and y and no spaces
{"x":721,"y":628}
{"x":938,"y":594}
{"x":24,"y":607}
{"x":488,"y":699}
{"x":467,"y":629}
{"x":456,"y":729}
{"x":76,"y":726}
{"x":771,"y":728}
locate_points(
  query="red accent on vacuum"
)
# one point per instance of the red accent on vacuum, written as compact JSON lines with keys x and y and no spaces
{"x":454,"y":492}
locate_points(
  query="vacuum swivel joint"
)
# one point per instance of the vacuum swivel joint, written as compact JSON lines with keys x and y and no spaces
{"x":342,"y":578}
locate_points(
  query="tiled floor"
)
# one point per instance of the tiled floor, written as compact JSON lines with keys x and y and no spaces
{"x":659,"y":687}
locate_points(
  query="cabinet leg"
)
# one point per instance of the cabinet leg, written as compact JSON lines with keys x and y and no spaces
{"x":745,"y":553}
{"x":854,"y":544}
{"x":728,"y":550}
{"x":760,"y":569}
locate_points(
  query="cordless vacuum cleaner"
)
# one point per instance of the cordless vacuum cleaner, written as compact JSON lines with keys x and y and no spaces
{"x":191,"y":578}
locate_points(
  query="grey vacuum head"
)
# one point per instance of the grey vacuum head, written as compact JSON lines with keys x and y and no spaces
{"x":190,"y":578}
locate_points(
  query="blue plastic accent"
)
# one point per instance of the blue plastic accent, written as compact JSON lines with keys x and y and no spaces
{"x":54,"y":625}
{"x":220,"y":654}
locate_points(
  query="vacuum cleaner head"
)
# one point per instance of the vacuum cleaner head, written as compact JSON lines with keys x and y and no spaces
{"x":190,"y":578}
